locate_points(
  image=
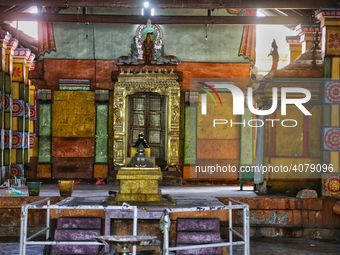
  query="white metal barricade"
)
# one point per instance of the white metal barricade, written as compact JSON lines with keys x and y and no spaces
{"x":24,"y":240}
{"x":233,"y":204}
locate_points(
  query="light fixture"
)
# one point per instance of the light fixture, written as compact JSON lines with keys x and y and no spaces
{"x":206,"y":31}
{"x":147,"y":10}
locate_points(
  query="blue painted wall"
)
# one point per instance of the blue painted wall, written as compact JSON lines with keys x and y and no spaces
{"x":109,"y":41}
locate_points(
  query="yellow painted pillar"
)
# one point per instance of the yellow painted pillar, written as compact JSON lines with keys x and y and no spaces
{"x":5,"y":68}
{"x":27,"y":112}
{"x":32,"y":112}
{"x":295,"y":47}
{"x":20,"y":137}
{"x":330,"y":25}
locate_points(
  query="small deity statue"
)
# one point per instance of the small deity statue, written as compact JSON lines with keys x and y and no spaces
{"x":275,"y":54}
{"x":148,"y":48}
{"x":141,"y":140}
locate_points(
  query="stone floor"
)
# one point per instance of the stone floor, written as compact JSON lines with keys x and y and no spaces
{"x":258,"y":246}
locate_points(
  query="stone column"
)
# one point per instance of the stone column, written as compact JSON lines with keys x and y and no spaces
{"x":101,"y":155}
{"x":190,"y":135}
{"x":44,"y":103}
{"x":330,"y":24}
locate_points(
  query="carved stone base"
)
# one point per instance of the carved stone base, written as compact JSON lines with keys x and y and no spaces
{"x":138,"y":197}
{"x":139,"y":184}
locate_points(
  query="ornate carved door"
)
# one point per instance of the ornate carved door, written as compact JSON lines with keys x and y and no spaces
{"x":147,"y":114}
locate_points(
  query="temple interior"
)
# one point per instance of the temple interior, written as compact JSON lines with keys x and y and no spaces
{"x":165,"y":121}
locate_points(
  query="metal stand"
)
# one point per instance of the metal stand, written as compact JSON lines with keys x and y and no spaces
{"x":237,"y":205}
{"x":24,"y":240}
{"x":233,"y":204}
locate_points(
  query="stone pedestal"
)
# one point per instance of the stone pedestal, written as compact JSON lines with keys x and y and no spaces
{"x":139,"y":184}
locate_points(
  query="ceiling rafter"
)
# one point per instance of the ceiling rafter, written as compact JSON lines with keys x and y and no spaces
{"x":6,"y":8}
{"x":189,"y":4}
{"x":134,"y":19}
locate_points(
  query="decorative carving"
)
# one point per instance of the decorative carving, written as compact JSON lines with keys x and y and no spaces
{"x":162,"y":59}
{"x":118,"y":148}
{"x":147,"y":46}
{"x":118,"y":111}
{"x":140,"y":33}
{"x":157,"y":82}
{"x":130,"y":59}
{"x":175,"y":109}
{"x":172,"y":158}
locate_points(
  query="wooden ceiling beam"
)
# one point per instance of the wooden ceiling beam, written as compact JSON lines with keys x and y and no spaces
{"x":134,"y":19}
{"x":188,"y":4}
{"x":6,"y":8}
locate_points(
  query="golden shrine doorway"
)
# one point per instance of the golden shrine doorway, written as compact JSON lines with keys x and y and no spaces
{"x":163,"y":83}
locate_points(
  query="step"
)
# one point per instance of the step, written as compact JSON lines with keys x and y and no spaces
{"x":198,"y":224}
{"x":75,"y":234}
{"x":199,"y":251}
{"x":79,"y":222}
{"x":198,"y":237}
{"x":75,"y":249}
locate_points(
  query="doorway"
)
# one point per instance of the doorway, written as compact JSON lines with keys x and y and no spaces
{"x":147,"y":113}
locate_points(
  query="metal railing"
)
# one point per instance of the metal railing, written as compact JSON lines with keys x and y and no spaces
{"x":233,"y":204}
{"x":24,"y":240}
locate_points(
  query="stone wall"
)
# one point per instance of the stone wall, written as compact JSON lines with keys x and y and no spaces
{"x":10,"y":210}
{"x":73,"y":113}
{"x":289,"y":217}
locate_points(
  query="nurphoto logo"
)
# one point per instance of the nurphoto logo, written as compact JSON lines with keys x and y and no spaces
{"x":238,"y":103}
